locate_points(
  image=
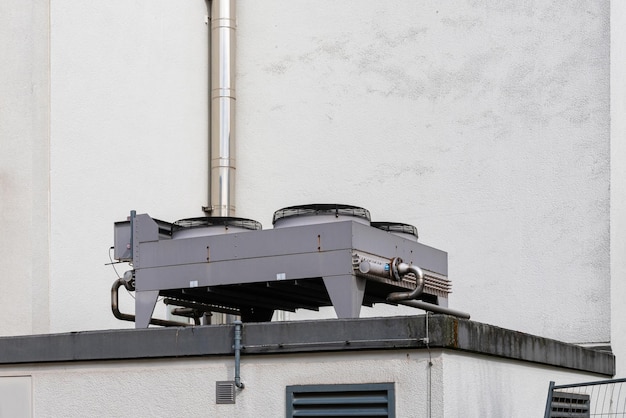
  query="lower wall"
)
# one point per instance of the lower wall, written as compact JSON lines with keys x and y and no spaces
{"x":481,"y":386}
{"x":440,"y":383}
{"x":186,"y":388}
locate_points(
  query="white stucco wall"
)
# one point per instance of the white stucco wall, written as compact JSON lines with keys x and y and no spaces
{"x":480,"y":386}
{"x":128,"y":127}
{"x":455,"y":385}
{"x":187,"y":388}
{"x":24,"y":179}
{"x":618,"y":182}
{"x":485,"y":124}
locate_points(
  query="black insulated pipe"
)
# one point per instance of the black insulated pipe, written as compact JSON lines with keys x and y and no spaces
{"x":128,"y":317}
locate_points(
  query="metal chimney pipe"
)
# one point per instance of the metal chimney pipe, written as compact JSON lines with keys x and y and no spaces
{"x":222,"y":142}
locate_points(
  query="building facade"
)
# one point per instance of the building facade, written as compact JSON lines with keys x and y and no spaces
{"x":495,"y":127}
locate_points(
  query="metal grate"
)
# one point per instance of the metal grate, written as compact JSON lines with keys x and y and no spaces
{"x":321,"y":209}
{"x":605,"y":398}
{"x":203,"y":222}
{"x":225,"y":392}
{"x":339,"y":401}
{"x":569,"y":405}
{"x":397,"y":227}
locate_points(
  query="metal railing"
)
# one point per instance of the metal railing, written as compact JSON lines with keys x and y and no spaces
{"x":603,"y":398}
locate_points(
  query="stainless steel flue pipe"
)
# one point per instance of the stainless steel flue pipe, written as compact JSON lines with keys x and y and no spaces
{"x":222,"y":141}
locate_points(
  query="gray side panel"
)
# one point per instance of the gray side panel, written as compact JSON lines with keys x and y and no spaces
{"x":266,"y":269}
{"x":256,"y":244}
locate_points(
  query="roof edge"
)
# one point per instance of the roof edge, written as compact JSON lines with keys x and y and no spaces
{"x":405,"y":332}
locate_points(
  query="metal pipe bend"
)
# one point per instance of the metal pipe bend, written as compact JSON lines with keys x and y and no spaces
{"x":131,"y":318}
{"x":115,"y":302}
{"x":404,"y":269}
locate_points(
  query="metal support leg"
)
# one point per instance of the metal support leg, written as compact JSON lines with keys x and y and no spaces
{"x":145,"y":302}
{"x":346,"y":293}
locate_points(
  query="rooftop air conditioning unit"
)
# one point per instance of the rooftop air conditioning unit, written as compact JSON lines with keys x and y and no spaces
{"x":316,"y":255}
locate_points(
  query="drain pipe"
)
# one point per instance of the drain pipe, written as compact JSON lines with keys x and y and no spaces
{"x":238,"y":381}
{"x":222,"y":141}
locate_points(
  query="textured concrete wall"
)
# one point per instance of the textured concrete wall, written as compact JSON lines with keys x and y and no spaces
{"x":129,"y":131}
{"x":187,"y":388}
{"x":485,"y":124}
{"x":455,"y":385}
{"x":508,"y":389}
{"x":618,"y":182}
{"x":24,"y":179}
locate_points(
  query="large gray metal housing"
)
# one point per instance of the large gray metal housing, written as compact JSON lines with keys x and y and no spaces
{"x":252,"y":273}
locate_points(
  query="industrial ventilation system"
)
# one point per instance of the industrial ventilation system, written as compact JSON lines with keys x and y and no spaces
{"x":315,"y":255}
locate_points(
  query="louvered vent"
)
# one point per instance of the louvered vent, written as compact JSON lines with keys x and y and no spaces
{"x":359,"y":400}
{"x":225,"y":392}
{"x":569,"y":405}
